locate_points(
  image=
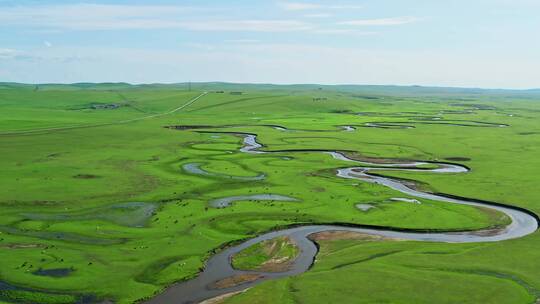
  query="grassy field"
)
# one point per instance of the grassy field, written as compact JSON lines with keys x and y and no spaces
{"x":97,"y":204}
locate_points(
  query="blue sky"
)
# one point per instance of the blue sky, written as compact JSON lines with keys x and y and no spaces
{"x":479,"y":43}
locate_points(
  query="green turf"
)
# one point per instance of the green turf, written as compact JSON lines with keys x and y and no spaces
{"x":357,"y":271}
{"x":112,"y":201}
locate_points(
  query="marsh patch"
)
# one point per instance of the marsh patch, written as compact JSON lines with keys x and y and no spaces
{"x":364,"y":207}
{"x":475,"y":106}
{"x":196,"y":168}
{"x":227,"y":201}
{"x":406,"y":200}
{"x":188,"y":127}
{"x":131,"y":214}
{"x":341,"y":111}
{"x":23,"y":246}
{"x":98,"y":106}
{"x":318,"y":189}
{"x":86,"y":176}
{"x":17,"y":294}
{"x":55,"y":272}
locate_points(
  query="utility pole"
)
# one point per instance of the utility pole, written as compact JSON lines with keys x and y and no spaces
{"x":189,"y":86}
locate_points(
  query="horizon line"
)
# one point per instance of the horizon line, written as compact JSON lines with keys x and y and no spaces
{"x":277,"y":84}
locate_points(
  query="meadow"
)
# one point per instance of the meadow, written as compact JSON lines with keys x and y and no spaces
{"x":99,"y":202}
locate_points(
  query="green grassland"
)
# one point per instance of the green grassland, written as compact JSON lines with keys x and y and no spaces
{"x":103,"y":192}
{"x":267,"y":255}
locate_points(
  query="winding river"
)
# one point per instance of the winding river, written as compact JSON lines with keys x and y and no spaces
{"x":218,"y":267}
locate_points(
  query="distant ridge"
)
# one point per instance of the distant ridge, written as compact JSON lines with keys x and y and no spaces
{"x":414,"y":90}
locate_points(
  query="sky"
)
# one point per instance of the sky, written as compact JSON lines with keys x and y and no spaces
{"x":458,"y":43}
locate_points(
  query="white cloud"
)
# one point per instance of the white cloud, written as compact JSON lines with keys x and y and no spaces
{"x":247,"y":25}
{"x":83,"y":12}
{"x":294,"y":6}
{"x":321,"y":15}
{"x":200,"y":46}
{"x":47,"y":43}
{"x":351,"y":32}
{"x":41,"y":55}
{"x":241,"y":41}
{"x":7,"y":53}
{"x":305,"y":6}
{"x":380,"y":21}
{"x":89,"y":16}
{"x":124,"y":17}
